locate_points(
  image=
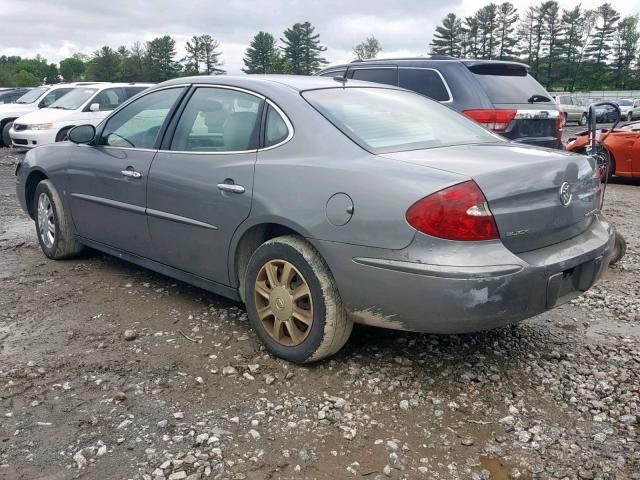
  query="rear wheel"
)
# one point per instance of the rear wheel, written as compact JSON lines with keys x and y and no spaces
{"x":611,"y":163}
{"x":293,"y":301}
{"x":583,"y":120}
{"x":629,"y":117}
{"x":53,"y":227}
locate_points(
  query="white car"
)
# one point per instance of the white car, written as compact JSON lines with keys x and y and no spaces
{"x":88,"y":104}
{"x":626,"y":108}
{"x":34,"y":99}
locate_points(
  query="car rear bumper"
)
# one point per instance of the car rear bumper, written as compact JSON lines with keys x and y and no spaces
{"x":473,"y":287}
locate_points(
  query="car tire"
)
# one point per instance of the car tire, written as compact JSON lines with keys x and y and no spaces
{"x":6,"y":138}
{"x":53,"y":225}
{"x":271,"y":305}
{"x":63,"y":134}
{"x":612,"y":164}
{"x":583,"y":120}
{"x":619,"y":249}
{"x":629,"y":117}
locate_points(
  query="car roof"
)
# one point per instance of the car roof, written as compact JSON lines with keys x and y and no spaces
{"x":441,"y":59}
{"x":295,"y":82}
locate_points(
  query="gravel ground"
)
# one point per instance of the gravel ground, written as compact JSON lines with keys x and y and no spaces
{"x":108,"y":370}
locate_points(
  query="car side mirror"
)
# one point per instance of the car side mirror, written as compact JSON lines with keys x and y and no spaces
{"x":82,"y":134}
{"x":94,"y":107}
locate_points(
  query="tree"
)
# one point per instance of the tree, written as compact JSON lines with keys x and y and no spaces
{"x":573,"y":25}
{"x":625,"y":49}
{"x":104,"y":65}
{"x":507,"y":17}
{"x":552,"y":33}
{"x":72,"y":69}
{"x":302,"y":49}
{"x":601,"y":45}
{"x":24,"y":79}
{"x":447,"y":40}
{"x":262,"y":55}
{"x":210,"y":55}
{"x":368,"y":49}
{"x":194,"y":56}
{"x":470,"y":40}
{"x":159,"y":59}
{"x":487,"y":25}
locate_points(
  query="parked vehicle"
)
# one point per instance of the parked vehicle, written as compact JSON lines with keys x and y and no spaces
{"x":573,"y":111}
{"x":34,"y":99}
{"x":622,"y":147}
{"x":10,"y":95}
{"x":626,"y":106}
{"x":321,"y":203}
{"x":501,"y":96}
{"x":82,"y":105}
{"x":635,"y":110}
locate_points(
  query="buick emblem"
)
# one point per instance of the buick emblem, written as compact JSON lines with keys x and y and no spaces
{"x":565,"y":193}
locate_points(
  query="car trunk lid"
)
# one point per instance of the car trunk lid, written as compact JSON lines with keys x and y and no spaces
{"x":523,"y":187}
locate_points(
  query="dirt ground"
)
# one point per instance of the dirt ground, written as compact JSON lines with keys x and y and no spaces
{"x":195,"y":396}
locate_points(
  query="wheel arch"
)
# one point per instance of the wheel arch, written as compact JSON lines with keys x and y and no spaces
{"x":33,"y":179}
{"x":246,"y":240}
{"x":63,"y":129}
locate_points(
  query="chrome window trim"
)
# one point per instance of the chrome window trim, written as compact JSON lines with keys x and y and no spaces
{"x":444,"y":82}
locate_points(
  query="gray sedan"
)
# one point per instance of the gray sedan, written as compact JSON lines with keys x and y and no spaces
{"x":320,"y":204}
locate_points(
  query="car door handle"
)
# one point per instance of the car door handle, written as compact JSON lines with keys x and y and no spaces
{"x":131,"y":173}
{"x":231,"y":187}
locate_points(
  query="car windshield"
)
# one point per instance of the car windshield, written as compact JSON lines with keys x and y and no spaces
{"x":74,"y":99}
{"x":32,"y":95}
{"x":385,"y":120}
{"x":625,"y":103}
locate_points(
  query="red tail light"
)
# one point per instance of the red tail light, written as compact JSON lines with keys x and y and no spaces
{"x":496,"y":120}
{"x":460,"y":212}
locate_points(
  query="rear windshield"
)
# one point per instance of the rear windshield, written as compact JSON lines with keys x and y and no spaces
{"x":385,"y":120}
{"x":508,"y":83}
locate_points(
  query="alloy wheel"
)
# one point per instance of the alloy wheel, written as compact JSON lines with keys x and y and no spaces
{"x":283,"y":302}
{"x":46,"y":220}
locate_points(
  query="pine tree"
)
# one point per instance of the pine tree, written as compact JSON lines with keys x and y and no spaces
{"x":448,"y":38}
{"x":507,"y":17}
{"x":262,"y":55}
{"x":302,"y":49}
{"x":104,"y":65}
{"x":368,"y":49}
{"x":160,"y":59}
{"x":552,"y":33}
{"x":193,"y":59}
{"x":626,"y":48}
{"x":600,"y":47}
{"x":210,"y":55}
{"x":487,"y":24}
{"x":470,"y":40}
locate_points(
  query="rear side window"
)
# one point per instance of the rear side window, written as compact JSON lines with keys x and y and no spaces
{"x":276,"y":129}
{"x":388,"y":76}
{"x":424,"y":81}
{"x":507,"y":83}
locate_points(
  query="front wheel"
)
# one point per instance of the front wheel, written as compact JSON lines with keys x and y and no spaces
{"x":293,"y":302}
{"x":629,"y":117}
{"x":619,"y":249}
{"x":6,"y":138}
{"x":63,"y":135}
{"x":583,"y":120}
{"x":53,"y":227}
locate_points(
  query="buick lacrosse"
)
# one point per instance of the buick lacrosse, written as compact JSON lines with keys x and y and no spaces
{"x":320,"y":203}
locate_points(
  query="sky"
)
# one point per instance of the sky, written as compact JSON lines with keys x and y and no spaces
{"x":57,"y":29}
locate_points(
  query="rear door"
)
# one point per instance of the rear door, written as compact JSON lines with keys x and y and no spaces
{"x":201,"y":182}
{"x":535,"y":118}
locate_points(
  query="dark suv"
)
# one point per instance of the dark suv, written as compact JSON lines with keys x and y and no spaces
{"x":502,"y":96}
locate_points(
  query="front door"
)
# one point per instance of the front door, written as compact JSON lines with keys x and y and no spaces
{"x":108,"y":180}
{"x":200,"y":188}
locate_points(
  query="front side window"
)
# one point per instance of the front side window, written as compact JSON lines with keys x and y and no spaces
{"x":217,"y":120}
{"x":33,"y":95}
{"x":74,"y":99}
{"x":385,"y":120}
{"x":276,"y":129}
{"x":51,"y":97}
{"x":424,"y":81}
{"x":138,"y":124}
{"x":388,"y":76}
{"x":109,"y":99}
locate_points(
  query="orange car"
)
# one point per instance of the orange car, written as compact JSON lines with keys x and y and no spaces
{"x":622,"y":146}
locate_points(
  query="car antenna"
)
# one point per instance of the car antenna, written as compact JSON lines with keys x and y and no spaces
{"x":342,"y":80}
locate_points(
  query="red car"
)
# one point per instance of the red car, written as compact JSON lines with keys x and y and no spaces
{"x":622,"y":146}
